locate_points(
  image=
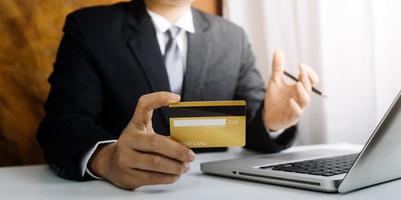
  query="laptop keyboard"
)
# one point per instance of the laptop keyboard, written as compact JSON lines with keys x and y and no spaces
{"x":321,"y":167}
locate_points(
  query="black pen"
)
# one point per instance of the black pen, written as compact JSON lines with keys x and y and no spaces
{"x":318,"y":92}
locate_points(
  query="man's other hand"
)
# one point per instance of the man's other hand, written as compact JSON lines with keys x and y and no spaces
{"x":284,"y":103}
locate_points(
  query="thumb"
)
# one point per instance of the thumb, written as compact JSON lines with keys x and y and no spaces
{"x":142,"y":117}
{"x":277,"y":65}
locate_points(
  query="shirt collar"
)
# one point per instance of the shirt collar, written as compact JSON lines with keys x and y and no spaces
{"x":185,"y":22}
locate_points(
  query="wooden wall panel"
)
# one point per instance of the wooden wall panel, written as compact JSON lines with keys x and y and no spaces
{"x":210,"y":6}
{"x":30,"y":31}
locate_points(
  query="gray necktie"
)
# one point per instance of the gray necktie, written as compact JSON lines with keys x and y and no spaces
{"x":173,"y":61}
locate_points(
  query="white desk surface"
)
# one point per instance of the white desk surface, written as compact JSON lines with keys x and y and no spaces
{"x":39,"y":182}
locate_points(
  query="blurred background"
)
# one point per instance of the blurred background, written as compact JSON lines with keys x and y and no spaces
{"x":354,"y":45}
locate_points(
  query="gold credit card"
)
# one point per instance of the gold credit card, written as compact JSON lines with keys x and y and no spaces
{"x":208,"y":123}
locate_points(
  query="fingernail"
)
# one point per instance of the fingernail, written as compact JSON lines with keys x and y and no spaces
{"x":187,"y":166}
{"x":191,"y":155}
{"x":176,"y":96}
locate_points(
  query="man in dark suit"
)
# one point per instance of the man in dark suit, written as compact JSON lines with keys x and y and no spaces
{"x":118,"y":65}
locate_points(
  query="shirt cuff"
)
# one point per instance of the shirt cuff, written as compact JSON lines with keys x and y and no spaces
{"x":84,"y":162}
{"x":275,"y":134}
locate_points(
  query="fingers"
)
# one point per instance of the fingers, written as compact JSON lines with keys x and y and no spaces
{"x":304,"y":79}
{"x":162,"y":145}
{"x":295,"y":112}
{"x":157,"y":163}
{"x":147,"y":103}
{"x":313,"y":77}
{"x":303,"y":95}
{"x":307,"y":78}
{"x":296,"y":109}
{"x":278,"y":62}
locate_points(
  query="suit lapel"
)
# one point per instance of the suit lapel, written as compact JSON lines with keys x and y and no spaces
{"x":145,"y":48}
{"x":199,"y":50}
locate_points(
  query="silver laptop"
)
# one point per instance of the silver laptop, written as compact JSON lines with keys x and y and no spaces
{"x":326,"y":170}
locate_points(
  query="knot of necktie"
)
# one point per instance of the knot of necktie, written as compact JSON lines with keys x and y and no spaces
{"x":173,"y":32}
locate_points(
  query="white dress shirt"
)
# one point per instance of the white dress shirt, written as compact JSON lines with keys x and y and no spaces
{"x":161,"y":24}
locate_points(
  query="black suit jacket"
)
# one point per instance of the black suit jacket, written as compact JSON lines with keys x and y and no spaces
{"x":109,"y":57}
